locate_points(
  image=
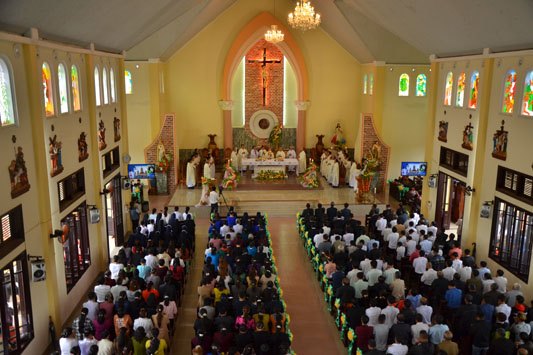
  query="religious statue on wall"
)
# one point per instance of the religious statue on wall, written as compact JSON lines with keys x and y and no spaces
{"x":116,"y":128}
{"x":443,"y":131}
{"x":18,"y":174}
{"x":101,"y":135}
{"x":499,"y":146}
{"x":338,"y":137}
{"x":56,"y":161}
{"x":468,"y":137}
{"x":83,"y":151}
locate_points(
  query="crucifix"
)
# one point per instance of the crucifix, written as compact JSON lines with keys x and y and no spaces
{"x":264,"y":73}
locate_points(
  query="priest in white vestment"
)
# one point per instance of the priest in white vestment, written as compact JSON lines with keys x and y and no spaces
{"x":335,"y":174}
{"x":347,"y":166}
{"x":191,"y":173}
{"x":207,"y":170}
{"x":323,"y":160}
{"x":254,"y":153}
{"x":212,"y":166}
{"x":235,"y":159}
{"x":302,"y":162}
{"x":354,"y":173}
{"x":280,"y":154}
{"x":329,"y":169}
{"x":291,"y":154}
{"x":243,"y":154}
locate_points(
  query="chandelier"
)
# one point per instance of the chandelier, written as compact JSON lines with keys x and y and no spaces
{"x":304,"y":17}
{"x":273,"y":35}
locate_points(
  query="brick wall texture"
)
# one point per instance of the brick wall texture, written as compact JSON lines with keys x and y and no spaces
{"x":369,"y":137}
{"x":166,"y":135}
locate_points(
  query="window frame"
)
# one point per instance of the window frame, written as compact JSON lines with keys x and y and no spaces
{"x":52,"y":90}
{"x":454,"y":161}
{"x":21,"y":345}
{"x":77,"y":246}
{"x":112,"y":86}
{"x":105,"y":86}
{"x":470,"y":85}
{"x":126,"y":71}
{"x":71,"y":188}
{"x":15,"y":218}
{"x":461,"y":104}
{"x":408,"y":84}
{"x":425,"y":85}
{"x":11,"y":81}
{"x":97,"y":86}
{"x":507,"y":73}
{"x":445,"y":89}
{"x":110,"y":162}
{"x":502,"y":248}
{"x":518,"y":180}
{"x":528,"y":73}
{"x":79,"y":88}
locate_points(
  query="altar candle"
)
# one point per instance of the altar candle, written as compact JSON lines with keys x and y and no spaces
{"x":375,"y":190}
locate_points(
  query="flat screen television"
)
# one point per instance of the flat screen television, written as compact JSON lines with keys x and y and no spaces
{"x":414,"y":168}
{"x":141,"y":171}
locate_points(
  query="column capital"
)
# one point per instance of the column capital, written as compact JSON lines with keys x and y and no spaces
{"x":225,"y":105}
{"x":302,"y":105}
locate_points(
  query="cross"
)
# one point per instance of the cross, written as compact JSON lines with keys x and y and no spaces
{"x":264,"y":74}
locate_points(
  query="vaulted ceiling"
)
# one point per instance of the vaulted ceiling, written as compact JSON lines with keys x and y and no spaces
{"x":394,"y":31}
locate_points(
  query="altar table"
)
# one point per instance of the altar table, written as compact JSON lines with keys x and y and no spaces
{"x":271,"y":165}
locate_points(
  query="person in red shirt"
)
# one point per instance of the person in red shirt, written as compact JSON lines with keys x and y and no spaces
{"x":364,"y":333}
{"x":150,"y":289}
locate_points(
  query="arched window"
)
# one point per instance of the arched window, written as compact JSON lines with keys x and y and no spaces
{"x":63,"y":85}
{"x":371,"y":84}
{"x":365,"y":84}
{"x":509,"y":91}
{"x":403,"y":85}
{"x":474,"y":90}
{"x":460,"y":93}
{"x":448,"y":89}
{"x":421,"y":83}
{"x":7,"y":103}
{"x":48,"y":91}
{"x":527,"y":101}
{"x":105,"y":87}
{"x":128,"y":83}
{"x":75,"y":81}
{"x":97,"y":93}
{"x":112,"y":88}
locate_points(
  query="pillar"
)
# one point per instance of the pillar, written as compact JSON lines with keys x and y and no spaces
{"x":227,"y":106}
{"x":302,"y":107}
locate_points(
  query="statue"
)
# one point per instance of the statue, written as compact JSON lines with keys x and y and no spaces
{"x":101,"y":135}
{"x":499,"y":146}
{"x":54,"y":149}
{"x":338,"y":139}
{"x":83,"y":152}
{"x":18,"y":174}
{"x":443,"y":131}
{"x":116,"y":128}
{"x":160,"y":151}
{"x":468,"y":137}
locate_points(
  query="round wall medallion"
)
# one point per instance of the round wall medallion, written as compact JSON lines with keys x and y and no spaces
{"x":262,"y":122}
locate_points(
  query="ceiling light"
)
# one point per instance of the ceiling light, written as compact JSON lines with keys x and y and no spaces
{"x":274,"y":35}
{"x":304,"y":17}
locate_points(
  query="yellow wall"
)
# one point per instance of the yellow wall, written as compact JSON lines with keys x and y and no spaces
{"x":193,"y":75}
{"x":237,"y":95}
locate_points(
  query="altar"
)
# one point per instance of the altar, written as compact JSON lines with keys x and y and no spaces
{"x":269,"y":165}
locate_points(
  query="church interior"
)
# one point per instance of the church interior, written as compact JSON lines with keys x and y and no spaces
{"x":438,"y":94}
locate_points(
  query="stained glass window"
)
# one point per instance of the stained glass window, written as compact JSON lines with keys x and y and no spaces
{"x":403,"y":85}
{"x":460,"y":93}
{"x":509,"y":91}
{"x":48,"y":91}
{"x":112,"y":85}
{"x":128,"y":83}
{"x":7,"y":104}
{"x":105,"y":87}
{"x":365,"y":84}
{"x":63,"y":85}
{"x":371,"y":84}
{"x":448,"y":89}
{"x":527,"y":101}
{"x":421,"y":83}
{"x":75,"y":80}
{"x":97,"y":92}
{"x":474,"y":90}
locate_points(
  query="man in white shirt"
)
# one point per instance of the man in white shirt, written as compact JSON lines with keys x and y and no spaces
{"x":433,"y":228}
{"x":101,"y":290}
{"x":456,"y":262}
{"x":389,"y":273}
{"x":318,"y":238}
{"x":410,"y":246}
{"x":373,"y":313}
{"x":291,"y":154}
{"x":373,"y":274}
{"x":392,"y":239}
{"x":365,"y":266}
{"x":390,"y":311}
{"x":449,"y":271}
{"x":420,"y":263}
{"x":465,"y":272}
{"x":348,"y":236}
{"x":381,"y":223}
{"x":237,"y":228}
{"x":360,"y":285}
{"x":400,"y":251}
{"x":425,"y":244}
{"x":213,"y":199}
{"x":115,"y":267}
{"x":153,"y":215}
{"x":418,"y":327}
{"x":501,"y":281}
{"x":429,"y":275}
{"x":502,"y":307}
{"x":224,"y":229}
{"x":425,"y":310}
{"x":177,"y":214}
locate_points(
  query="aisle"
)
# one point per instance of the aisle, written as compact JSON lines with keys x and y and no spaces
{"x":181,"y":342}
{"x":313,"y":328}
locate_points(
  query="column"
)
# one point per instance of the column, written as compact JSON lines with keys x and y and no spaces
{"x":302,"y":107}
{"x":227,"y":106}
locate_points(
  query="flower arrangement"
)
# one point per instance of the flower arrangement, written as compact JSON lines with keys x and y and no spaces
{"x":309,"y":179}
{"x":267,"y":175}
{"x":208,"y":181}
{"x":231,"y":178}
{"x":163,"y":164}
{"x":275,"y":136}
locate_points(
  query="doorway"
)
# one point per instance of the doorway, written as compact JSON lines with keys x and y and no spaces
{"x":113,"y":214}
{"x":450,"y":204}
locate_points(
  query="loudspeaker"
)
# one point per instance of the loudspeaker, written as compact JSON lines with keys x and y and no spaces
{"x":126,"y":184}
{"x":38,"y":270}
{"x":94,"y":215}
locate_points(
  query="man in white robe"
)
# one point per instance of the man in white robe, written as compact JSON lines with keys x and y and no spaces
{"x":291,"y":154}
{"x":354,"y":173}
{"x":207,"y":170}
{"x":212,"y":166}
{"x":243,"y":154}
{"x":302,"y":162}
{"x":347,"y":165}
{"x":280,"y":154}
{"x":329,"y":169}
{"x":235,"y":159}
{"x":335,"y":174}
{"x":323,"y":159}
{"x":191,"y":173}
{"x":254,"y":154}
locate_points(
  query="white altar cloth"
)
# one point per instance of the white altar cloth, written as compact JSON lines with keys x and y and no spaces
{"x":271,"y":164}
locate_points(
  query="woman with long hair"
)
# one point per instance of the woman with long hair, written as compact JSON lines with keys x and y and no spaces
{"x":67,"y":341}
{"x":123,"y":345}
{"x":101,"y":324}
{"x":138,"y":341}
{"x":156,"y":345}
{"x":161,"y":323}
{"x":171,"y":310}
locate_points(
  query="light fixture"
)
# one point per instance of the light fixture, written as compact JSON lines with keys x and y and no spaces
{"x":469,"y":190}
{"x":273,"y":35}
{"x":304,"y":17}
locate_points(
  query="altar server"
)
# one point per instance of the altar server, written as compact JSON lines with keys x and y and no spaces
{"x":302,"y":162}
{"x":243,"y":154}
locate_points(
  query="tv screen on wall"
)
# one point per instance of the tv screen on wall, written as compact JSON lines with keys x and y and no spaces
{"x":410,"y":168}
{"x":141,"y":171}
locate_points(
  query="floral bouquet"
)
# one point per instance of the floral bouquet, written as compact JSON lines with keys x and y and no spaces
{"x":275,"y":136}
{"x":208,"y":181}
{"x":267,"y":175}
{"x":309,"y":179}
{"x":163,"y":164}
{"x":231,"y":178}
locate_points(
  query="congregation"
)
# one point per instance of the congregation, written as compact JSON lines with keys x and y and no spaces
{"x":133,"y":307}
{"x":240,"y":308}
{"x":405,"y":287}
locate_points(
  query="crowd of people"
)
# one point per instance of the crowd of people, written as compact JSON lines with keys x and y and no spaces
{"x":133,"y":307}
{"x":407,"y":287}
{"x":240,"y":310}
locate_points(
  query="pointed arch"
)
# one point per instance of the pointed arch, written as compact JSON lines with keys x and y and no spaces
{"x":248,"y":36}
